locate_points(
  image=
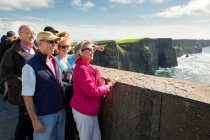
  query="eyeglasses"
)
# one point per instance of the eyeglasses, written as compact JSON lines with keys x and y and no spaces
{"x":29,"y":33}
{"x":89,"y":49}
{"x":64,"y":46}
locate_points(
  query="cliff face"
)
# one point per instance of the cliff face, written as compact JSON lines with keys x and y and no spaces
{"x":146,"y":55}
{"x":139,"y":56}
{"x":142,"y":55}
{"x":203,"y":43}
{"x":166,"y":53}
{"x":110,"y":57}
{"x":188,"y":46}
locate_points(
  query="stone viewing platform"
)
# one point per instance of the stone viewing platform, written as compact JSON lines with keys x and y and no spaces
{"x":147,"y":107}
{"x":142,"y":107}
{"x":182,"y":88}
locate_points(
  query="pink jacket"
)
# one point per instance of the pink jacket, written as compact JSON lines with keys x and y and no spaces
{"x":87,"y":91}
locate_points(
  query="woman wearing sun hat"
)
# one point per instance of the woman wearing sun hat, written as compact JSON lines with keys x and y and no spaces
{"x":66,"y":62}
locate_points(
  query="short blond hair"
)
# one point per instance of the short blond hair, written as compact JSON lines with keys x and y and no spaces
{"x":79,"y":46}
{"x":64,"y":36}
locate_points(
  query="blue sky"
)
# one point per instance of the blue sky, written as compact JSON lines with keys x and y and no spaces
{"x":111,"y":19}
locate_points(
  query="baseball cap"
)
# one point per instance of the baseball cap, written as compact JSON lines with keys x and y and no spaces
{"x":50,"y":29}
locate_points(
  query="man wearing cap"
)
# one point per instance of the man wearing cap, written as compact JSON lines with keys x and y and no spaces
{"x":44,"y":96}
{"x":50,"y":29}
{"x":10,"y":34}
{"x":11,"y":70}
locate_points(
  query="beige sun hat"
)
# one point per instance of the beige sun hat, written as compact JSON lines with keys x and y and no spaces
{"x":46,"y":36}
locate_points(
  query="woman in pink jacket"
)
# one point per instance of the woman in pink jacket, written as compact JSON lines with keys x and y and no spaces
{"x":89,"y":88}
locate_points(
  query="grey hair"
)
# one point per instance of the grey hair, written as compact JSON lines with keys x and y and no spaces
{"x":21,"y":28}
{"x":79,"y":46}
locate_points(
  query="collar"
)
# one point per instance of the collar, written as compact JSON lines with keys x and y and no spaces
{"x":43,"y":59}
{"x":17,"y":47}
{"x":26,"y":48}
{"x":81,"y":61}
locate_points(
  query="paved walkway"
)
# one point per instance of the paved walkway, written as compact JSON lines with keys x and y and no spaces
{"x":8,"y":120}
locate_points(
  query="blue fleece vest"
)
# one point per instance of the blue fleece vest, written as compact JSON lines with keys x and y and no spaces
{"x":49,"y":94}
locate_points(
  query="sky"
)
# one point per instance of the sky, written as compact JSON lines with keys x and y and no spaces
{"x":111,"y":19}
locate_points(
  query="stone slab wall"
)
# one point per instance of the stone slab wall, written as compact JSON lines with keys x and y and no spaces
{"x":143,"y":107}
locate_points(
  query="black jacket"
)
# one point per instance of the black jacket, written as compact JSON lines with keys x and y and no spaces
{"x":11,"y":71}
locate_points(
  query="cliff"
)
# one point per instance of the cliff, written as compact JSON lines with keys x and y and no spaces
{"x":146,"y":55}
{"x":203,"y":43}
{"x":138,"y":55}
{"x":186,"y":46}
{"x":166,"y":53}
{"x":189,"y":46}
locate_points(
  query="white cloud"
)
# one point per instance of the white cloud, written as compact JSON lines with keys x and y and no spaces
{"x":202,"y":21}
{"x":30,"y":18}
{"x":9,"y":5}
{"x":147,"y":16}
{"x":126,"y":1}
{"x":158,"y":1}
{"x":87,"y":5}
{"x":76,"y":2}
{"x":83,"y":6}
{"x":13,"y":24}
{"x":194,"y":7}
{"x":199,"y":30}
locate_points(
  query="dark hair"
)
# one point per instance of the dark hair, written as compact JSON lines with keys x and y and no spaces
{"x":10,"y":33}
{"x":3,"y":38}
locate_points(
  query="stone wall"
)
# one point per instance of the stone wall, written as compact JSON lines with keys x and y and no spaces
{"x":143,"y":107}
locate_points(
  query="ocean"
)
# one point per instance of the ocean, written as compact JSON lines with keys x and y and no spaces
{"x":195,"y":68}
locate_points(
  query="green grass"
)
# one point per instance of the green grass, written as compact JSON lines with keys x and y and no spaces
{"x":133,"y":40}
{"x":146,"y":49}
{"x":102,"y":42}
{"x":178,"y":48}
{"x":121,"y":50}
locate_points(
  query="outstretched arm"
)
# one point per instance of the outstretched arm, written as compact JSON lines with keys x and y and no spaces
{"x":100,"y":47}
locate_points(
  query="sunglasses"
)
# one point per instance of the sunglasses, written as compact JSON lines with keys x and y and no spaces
{"x":51,"y":41}
{"x":64,"y":46}
{"x":89,"y":49}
